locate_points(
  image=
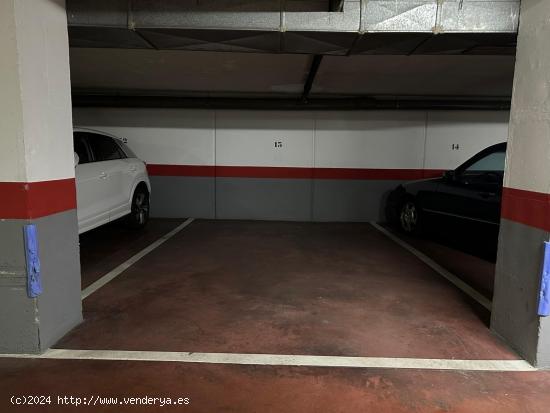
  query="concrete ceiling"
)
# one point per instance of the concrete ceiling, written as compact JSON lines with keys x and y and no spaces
{"x":301,"y":50}
{"x":419,"y":75}
{"x":186,"y":73}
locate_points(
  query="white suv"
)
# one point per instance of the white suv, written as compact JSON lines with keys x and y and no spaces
{"x":111,"y":182}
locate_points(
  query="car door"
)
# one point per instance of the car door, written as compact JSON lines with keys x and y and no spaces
{"x":90,"y":187}
{"x":130,"y":169}
{"x":109,"y":158}
{"x":474,"y":191}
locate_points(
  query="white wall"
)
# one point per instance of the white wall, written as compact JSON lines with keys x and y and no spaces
{"x":158,"y":136}
{"x":248,"y":139}
{"x":380,"y":140}
{"x":528,"y":158}
{"x":471,"y":131}
{"x":35,"y":108}
{"x":368,"y":139}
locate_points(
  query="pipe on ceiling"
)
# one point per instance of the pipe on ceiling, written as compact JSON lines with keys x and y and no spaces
{"x":397,"y":103}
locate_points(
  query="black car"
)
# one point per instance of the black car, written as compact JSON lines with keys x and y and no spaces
{"x":467,"y":197}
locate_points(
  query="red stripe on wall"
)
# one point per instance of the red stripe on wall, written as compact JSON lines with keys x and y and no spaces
{"x":526,"y":207}
{"x":374,"y":174}
{"x":433,"y":173}
{"x":292,"y":172}
{"x":181,"y":170}
{"x":264,"y":172}
{"x":26,"y":200}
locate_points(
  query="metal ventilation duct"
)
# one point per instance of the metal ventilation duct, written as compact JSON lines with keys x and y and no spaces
{"x":298,"y":26}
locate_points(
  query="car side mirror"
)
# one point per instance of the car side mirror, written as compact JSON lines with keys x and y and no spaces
{"x":449,"y":176}
{"x":76,"y":159}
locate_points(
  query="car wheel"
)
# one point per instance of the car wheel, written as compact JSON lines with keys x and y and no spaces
{"x":409,"y":217}
{"x":139,"y":214}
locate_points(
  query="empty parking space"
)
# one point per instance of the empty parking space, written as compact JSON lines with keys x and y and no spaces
{"x":285,"y":288}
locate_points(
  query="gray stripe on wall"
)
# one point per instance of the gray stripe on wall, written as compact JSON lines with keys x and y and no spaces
{"x":323,"y":200}
{"x":18,"y":324}
{"x":29,"y":325}
{"x":350,"y":200}
{"x":60,"y":305}
{"x":263,"y":198}
{"x":182,"y":197}
{"x":517,"y":282}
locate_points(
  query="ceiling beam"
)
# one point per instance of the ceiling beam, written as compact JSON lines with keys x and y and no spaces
{"x":336,"y":5}
{"x":315,"y":63}
{"x":366,"y":103}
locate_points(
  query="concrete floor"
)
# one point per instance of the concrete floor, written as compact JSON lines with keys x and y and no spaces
{"x":103,"y":248}
{"x":278,"y":288}
{"x":243,"y":389}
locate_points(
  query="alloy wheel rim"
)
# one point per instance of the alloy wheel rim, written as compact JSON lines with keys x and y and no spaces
{"x":409,"y":217}
{"x":141,"y":208}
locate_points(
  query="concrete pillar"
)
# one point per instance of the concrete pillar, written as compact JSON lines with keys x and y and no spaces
{"x":37,"y":183}
{"x":525,"y":223}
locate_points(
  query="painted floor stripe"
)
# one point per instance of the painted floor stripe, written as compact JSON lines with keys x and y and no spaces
{"x":457,"y":282}
{"x":131,"y":261}
{"x":282,"y":360}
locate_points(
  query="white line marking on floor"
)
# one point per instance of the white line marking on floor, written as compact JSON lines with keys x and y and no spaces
{"x":437,"y":268}
{"x":92,"y":288}
{"x":282,"y":360}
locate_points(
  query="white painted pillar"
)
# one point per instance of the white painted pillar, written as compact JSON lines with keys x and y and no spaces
{"x":525,"y":221}
{"x":37,"y":183}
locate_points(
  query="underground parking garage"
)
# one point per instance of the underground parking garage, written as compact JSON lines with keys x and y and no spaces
{"x":274,"y":206}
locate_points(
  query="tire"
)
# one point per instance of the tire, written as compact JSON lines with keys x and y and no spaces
{"x":139,"y":214}
{"x":409,"y":217}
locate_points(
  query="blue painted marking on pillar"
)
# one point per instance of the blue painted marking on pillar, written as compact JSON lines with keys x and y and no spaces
{"x":34,"y":283}
{"x":544,"y":298}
